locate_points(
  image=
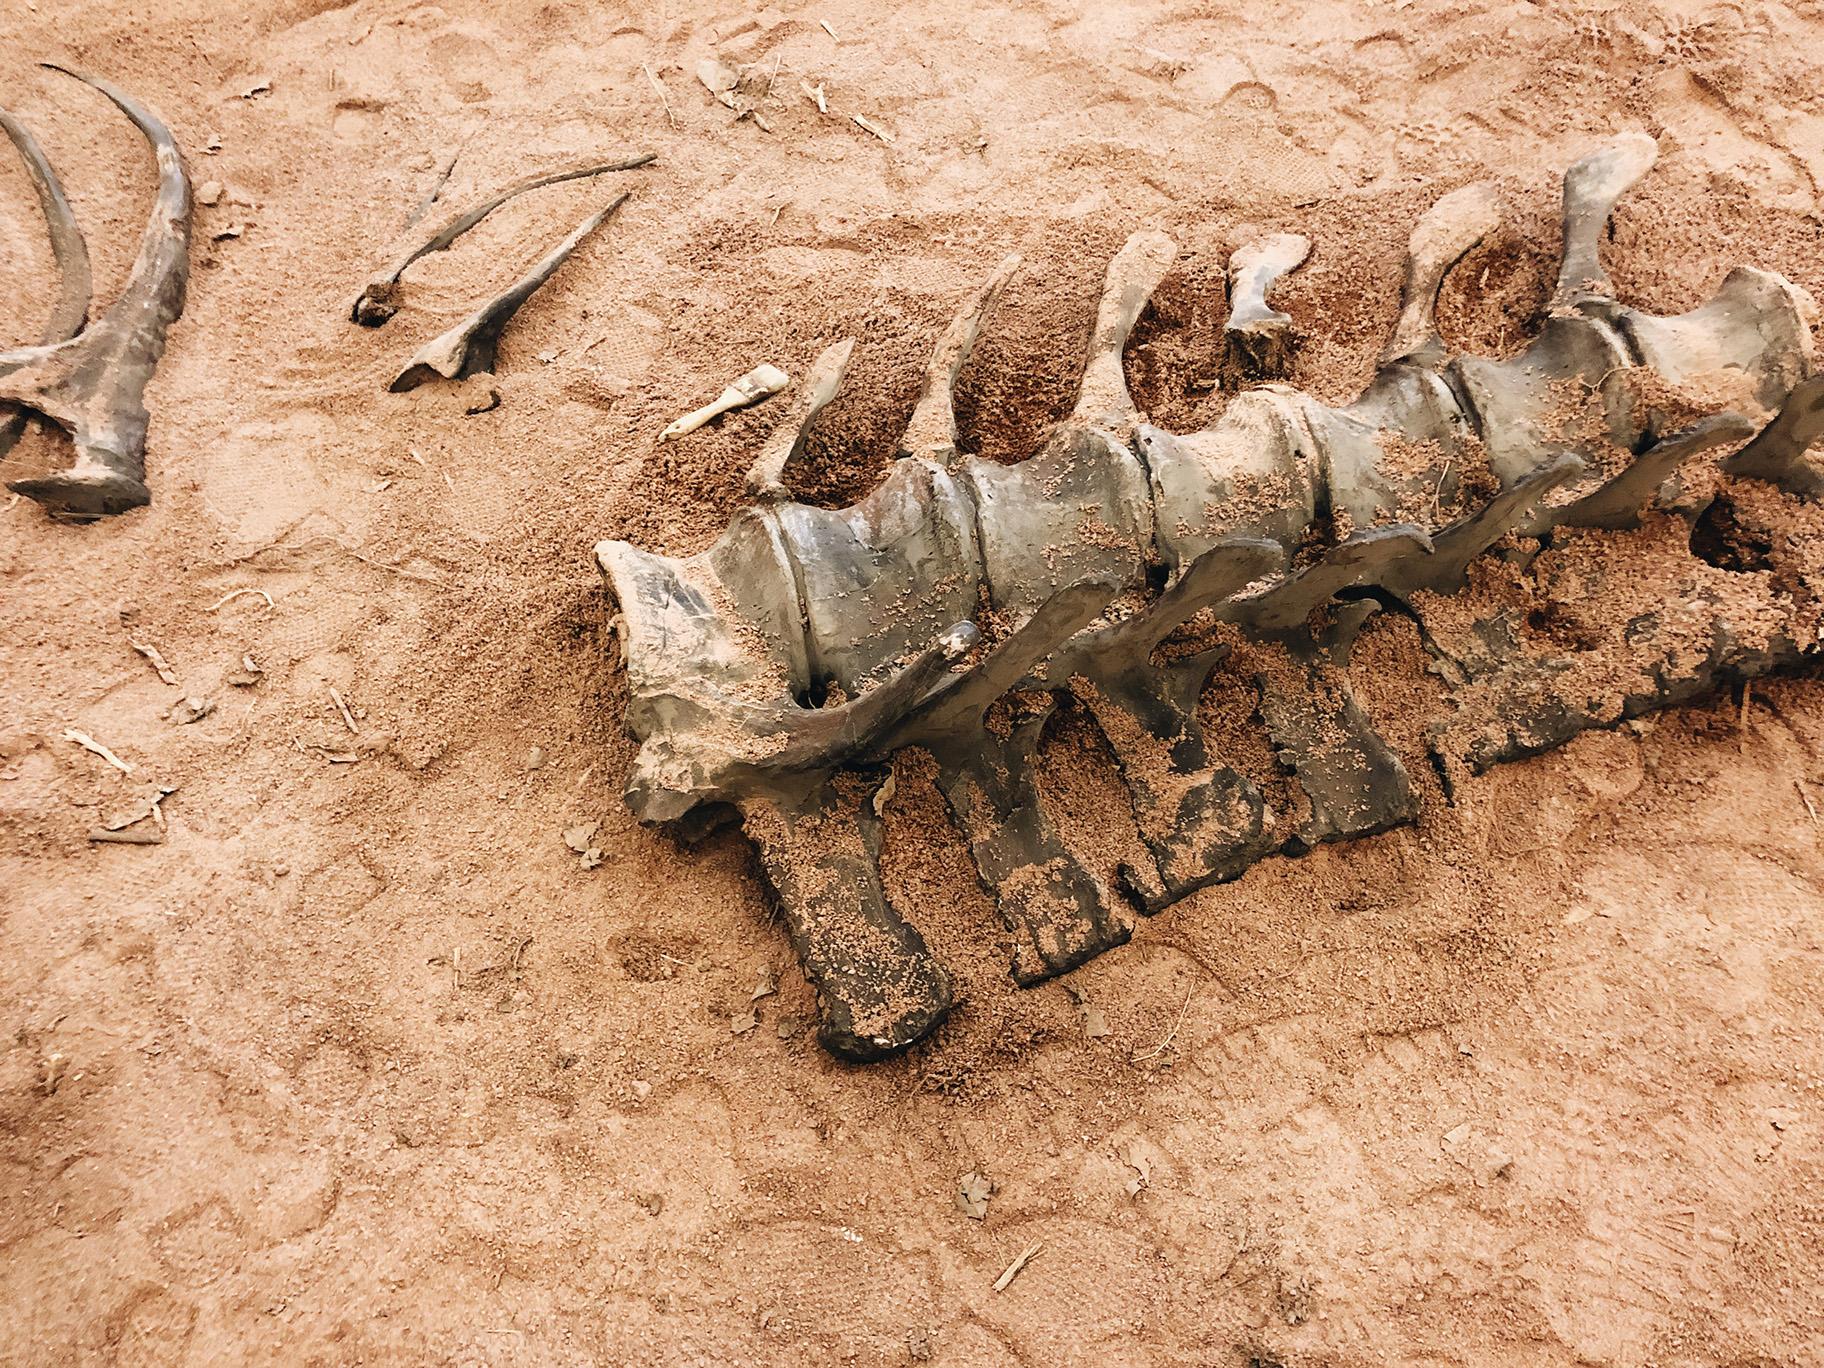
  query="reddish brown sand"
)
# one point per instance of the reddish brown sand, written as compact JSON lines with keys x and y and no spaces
{"x":362,"y":1065}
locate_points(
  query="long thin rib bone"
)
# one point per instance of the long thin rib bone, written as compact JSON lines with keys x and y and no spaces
{"x":468,"y":348}
{"x":1447,"y":230}
{"x":958,"y":703}
{"x":1257,"y":339}
{"x":67,"y":247}
{"x":94,"y":385}
{"x":378,"y":300}
{"x":931,"y":433}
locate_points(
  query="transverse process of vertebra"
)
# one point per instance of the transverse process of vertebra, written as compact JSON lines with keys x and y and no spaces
{"x":1540,"y":521}
{"x":91,"y":381}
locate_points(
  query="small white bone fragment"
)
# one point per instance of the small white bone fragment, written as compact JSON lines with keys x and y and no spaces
{"x":757,"y":384}
{"x":191,"y":709}
{"x":159,"y":663}
{"x":865,"y":122}
{"x":89,"y":743}
{"x":139,"y":811}
{"x":719,"y":78}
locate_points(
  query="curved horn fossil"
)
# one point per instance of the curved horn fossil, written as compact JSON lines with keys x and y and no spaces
{"x":69,"y":251}
{"x":93,"y":384}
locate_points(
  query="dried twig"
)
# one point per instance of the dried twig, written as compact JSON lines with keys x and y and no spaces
{"x":233,"y":594}
{"x":1805,"y":798}
{"x":342,"y":707}
{"x":865,"y":122}
{"x":102,"y":836}
{"x":443,"y":179}
{"x":89,"y":743}
{"x":1170,"y":1035}
{"x":1013,"y":1269}
{"x":664,"y":99}
{"x":399,"y":570}
{"x":1437,"y":495}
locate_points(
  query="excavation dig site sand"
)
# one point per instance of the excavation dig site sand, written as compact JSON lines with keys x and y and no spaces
{"x":407,"y":1042}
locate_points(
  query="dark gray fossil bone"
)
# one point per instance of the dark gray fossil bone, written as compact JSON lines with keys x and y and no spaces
{"x":92,"y":381}
{"x":379,"y":298}
{"x":469,"y":347}
{"x":1134,"y":573}
{"x":1258,"y":339}
{"x":68,"y":250}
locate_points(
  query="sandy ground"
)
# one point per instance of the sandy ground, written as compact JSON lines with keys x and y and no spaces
{"x":362,"y":1066}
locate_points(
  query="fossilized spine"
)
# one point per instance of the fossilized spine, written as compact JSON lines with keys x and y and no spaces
{"x":1112,"y":538}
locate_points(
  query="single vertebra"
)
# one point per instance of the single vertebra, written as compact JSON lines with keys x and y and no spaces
{"x":1122,"y":565}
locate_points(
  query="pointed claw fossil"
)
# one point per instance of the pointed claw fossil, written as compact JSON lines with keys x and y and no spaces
{"x":93,"y":384}
{"x":469,"y":347}
{"x":1131,"y":571}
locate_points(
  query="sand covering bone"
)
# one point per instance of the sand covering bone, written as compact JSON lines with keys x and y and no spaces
{"x":955,"y":605}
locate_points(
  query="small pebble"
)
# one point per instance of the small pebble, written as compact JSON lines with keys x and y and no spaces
{"x":191,"y":709}
{"x":535,"y":758}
